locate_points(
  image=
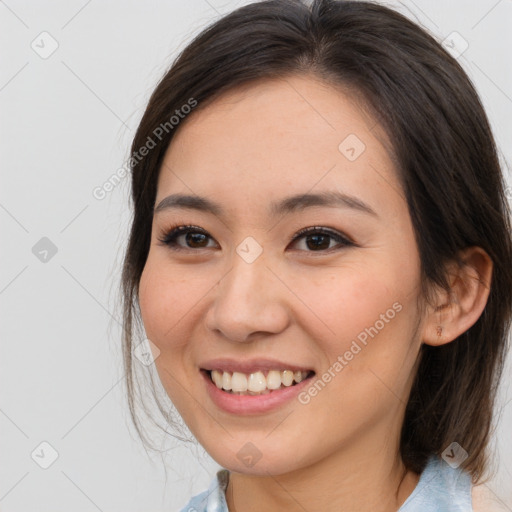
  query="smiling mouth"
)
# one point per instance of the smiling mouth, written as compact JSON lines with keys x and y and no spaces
{"x":256,"y":383}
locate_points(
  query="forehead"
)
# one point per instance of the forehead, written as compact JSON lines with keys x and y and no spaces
{"x":293,"y":135}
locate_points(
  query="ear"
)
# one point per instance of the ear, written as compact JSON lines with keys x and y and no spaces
{"x":456,"y":310}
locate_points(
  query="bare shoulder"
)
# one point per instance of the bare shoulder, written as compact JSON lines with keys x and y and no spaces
{"x":484,"y":500}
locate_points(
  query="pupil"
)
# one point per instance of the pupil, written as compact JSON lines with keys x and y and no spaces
{"x":193,"y":238}
{"x":316,"y":245}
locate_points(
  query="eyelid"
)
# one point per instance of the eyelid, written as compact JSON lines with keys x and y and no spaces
{"x":169,"y":235}
{"x":334,"y":233}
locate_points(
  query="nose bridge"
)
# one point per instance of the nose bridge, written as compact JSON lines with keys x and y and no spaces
{"x":247,"y":299}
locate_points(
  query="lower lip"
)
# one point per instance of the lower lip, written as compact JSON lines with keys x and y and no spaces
{"x":252,"y":404}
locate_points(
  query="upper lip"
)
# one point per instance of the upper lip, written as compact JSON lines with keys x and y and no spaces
{"x":251,"y":365}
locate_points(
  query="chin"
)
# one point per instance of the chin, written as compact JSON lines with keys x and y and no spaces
{"x":256,"y":458}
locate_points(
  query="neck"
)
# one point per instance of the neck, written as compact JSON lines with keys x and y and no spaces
{"x":370,"y":476}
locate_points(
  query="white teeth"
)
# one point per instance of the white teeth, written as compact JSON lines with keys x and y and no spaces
{"x":226,"y":381}
{"x":287,"y":377}
{"x":239,"y":382}
{"x":256,"y":383}
{"x":217,"y":378}
{"x":273,"y":379}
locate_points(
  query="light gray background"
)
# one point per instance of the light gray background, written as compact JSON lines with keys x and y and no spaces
{"x":66,"y":124}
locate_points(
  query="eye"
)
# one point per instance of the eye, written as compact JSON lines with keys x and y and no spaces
{"x":319,"y":239}
{"x":194,"y":235}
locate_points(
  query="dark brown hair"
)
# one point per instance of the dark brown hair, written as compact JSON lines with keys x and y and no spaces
{"x":445,"y":156}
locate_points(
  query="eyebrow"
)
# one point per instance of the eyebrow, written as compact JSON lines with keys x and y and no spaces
{"x":330,"y":199}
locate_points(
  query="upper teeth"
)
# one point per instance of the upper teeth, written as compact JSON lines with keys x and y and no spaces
{"x":255,"y":382}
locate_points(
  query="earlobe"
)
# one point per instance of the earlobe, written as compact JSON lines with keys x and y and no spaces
{"x":457,"y":309}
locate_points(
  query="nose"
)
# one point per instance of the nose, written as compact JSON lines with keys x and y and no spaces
{"x":249,"y":301}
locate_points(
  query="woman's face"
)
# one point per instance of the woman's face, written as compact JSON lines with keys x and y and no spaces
{"x":244,"y":293}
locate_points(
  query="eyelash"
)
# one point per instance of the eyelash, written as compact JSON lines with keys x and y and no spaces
{"x":170,"y":236}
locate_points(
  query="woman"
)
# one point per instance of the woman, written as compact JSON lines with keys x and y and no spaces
{"x":320,"y":257}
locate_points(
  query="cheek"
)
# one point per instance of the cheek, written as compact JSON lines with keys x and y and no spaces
{"x":368,"y":359}
{"x":363,"y":318}
{"x":170,"y":302}
{"x":168,"y":305}
{"x":155,"y":303}
{"x":342,"y":303}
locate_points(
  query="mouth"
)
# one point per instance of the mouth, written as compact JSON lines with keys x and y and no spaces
{"x":254,"y":386}
{"x":261,"y":382}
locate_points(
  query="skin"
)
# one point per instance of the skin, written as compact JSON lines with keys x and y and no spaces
{"x":253,"y":145}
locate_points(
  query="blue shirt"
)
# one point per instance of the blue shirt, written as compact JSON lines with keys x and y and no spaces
{"x":440,"y":489}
